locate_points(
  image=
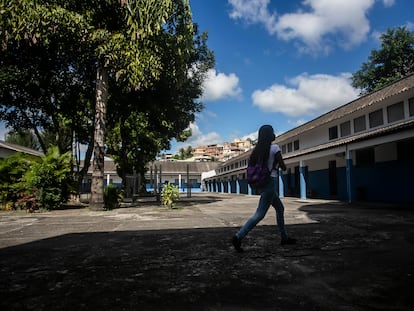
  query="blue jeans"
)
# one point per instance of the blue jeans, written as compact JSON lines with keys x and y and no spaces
{"x":268,"y":196}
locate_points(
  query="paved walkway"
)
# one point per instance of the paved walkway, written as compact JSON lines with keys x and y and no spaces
{"x":150,"y":258}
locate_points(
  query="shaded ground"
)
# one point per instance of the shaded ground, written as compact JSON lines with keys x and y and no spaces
{"x":150,"y":258}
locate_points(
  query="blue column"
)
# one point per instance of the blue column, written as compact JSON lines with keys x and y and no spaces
{"x":302,"y":181}
{"x":281,"y":185}
{"x":222,"y":187}
{"x":237,"y":186}
{"x":249,"y":190}
{"x":348,"y":176}
{"x":228,"y":186}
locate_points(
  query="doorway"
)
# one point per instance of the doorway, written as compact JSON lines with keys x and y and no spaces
{"x":333,"y":181}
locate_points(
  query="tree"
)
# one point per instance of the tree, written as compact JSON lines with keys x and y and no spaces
{"x":59,"y":36}
{"x":130,"y":52}
{"x":189,"y":152}
{"x":46,"y":73}
{"x":48,"y":179}
{"x":77,"y":50}
{"x":12,"y":169}
{"x":184,"y":153}
{"x":31,"y":182}
{"x":393,"y":61}
{"x":44,"y":94}
{"x":23,"y":138}
{"x":142,"y":122}
{"x":181,"y":154}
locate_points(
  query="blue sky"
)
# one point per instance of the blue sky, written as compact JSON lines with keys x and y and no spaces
{"x":283,"y":62}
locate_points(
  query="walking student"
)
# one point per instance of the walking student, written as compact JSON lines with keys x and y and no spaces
{"x":269,"y":153}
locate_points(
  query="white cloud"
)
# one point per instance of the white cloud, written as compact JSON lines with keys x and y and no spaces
{"x":252,"y":136}
{"x":307,"y":95}
{"x":376,"y":36}
{"x":253,"y":12}
{"x":388,"y":3}
{"x":409,"y":26}
{"x":218,"y":85}
{"x":316,"y":26}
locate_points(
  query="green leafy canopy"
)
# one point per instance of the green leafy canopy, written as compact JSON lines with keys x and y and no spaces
{"x":393,"y":61}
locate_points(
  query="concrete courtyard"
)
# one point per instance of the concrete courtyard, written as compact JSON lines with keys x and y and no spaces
{"x":147,"y":257}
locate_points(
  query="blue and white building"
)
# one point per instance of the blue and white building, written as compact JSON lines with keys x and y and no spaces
{"x":361,"y":151}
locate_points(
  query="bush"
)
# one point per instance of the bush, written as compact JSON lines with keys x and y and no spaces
{"x":112,"y":196}
{"x":170,"y":194}
{"x":27,"y":202}
{"x":49,"y":179}
{"x":30,"y":183}
{"x":13,"y":191}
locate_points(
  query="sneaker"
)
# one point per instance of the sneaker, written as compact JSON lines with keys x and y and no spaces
{"x":288,"y":241}
{"x":236,"y":243}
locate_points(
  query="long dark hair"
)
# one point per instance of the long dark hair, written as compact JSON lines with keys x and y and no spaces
{"x":261,"y":151}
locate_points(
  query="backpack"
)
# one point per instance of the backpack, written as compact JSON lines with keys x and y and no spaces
{"x":258,"y":175}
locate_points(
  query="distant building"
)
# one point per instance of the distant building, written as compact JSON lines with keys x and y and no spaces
{"x":180,"y":173}
{"x":168,"y":156}
{"x":224,"y":151}
{"x":183,"y":174}
{"x":110,"y":175}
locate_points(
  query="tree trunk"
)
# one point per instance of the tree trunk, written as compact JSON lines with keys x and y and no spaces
{"x":97,"y":187}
